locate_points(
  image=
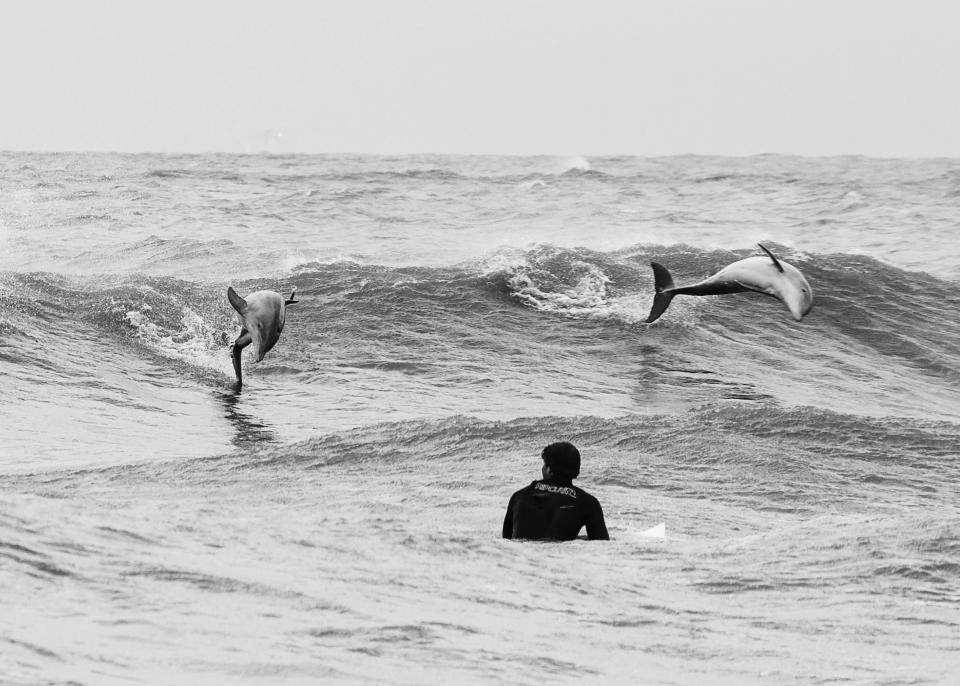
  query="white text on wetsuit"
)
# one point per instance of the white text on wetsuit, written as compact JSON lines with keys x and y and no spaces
{"x":562,"y":490}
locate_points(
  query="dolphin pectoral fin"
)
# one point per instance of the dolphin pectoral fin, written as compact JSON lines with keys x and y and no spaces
{"x":239,"y":304}
{"x":776,"y":262}
{"x":739,"y":287}
{"x":663,"y":283}
{"x":765,"y":290}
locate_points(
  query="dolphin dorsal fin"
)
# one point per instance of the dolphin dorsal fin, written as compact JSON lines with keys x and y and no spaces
{"x":239,"y":304}
{"x":776,"y":262}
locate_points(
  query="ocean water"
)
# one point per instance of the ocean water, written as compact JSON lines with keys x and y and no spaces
{"x":338,"y":519}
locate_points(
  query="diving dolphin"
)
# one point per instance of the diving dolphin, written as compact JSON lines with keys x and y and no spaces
{"x":261,"y":317}
{"x":757,"y":273}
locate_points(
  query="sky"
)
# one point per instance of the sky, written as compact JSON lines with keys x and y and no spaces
{"x":586,"y":77}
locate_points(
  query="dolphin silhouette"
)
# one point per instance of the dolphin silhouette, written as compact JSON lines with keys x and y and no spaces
{"x":757,"y":273}
{"x":261,"y":316}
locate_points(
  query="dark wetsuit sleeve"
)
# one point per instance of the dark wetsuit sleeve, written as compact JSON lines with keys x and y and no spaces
{"x":596,"y":527}
{"x":508,"y":519}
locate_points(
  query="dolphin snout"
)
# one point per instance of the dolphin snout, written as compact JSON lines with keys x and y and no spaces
{"x":800,"y":310}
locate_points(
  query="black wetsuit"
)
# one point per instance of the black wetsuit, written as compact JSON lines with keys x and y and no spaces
{"x":553,"y":510}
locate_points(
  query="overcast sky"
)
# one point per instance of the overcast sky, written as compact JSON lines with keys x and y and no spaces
{"x":738,"y":77}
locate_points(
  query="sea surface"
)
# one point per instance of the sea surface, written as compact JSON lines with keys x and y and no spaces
{"x":338,"y":519}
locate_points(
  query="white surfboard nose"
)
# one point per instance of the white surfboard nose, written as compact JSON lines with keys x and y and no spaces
{"x":658,"y":531}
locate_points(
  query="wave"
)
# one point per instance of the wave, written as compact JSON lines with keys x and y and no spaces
{"x":880,"y":341}
{"x":902,"y":314}
{"x":375,"y":172}
{"x":74,"y":321}
{"x":772,"y":458}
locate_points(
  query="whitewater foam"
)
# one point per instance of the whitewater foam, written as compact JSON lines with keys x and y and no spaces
{"x":195,"y":343}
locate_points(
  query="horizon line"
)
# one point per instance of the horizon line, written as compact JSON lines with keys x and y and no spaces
{"x":273,"y":153}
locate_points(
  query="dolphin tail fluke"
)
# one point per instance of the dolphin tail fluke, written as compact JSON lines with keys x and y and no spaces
{"x":240,"y":305}
{"x":242,"y":342}
{"x":235,"y":356}
{"x":663,"y":283}
{"x":293,"y":297}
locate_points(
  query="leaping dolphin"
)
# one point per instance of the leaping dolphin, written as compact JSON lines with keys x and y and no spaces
{"x":757,"y":273}
{"x":261,"y":316}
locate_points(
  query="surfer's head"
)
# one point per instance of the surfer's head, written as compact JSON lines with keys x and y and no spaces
{"x":562,"y":458}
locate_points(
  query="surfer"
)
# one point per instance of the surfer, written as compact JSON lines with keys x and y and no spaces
{"x":552,"y":508}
